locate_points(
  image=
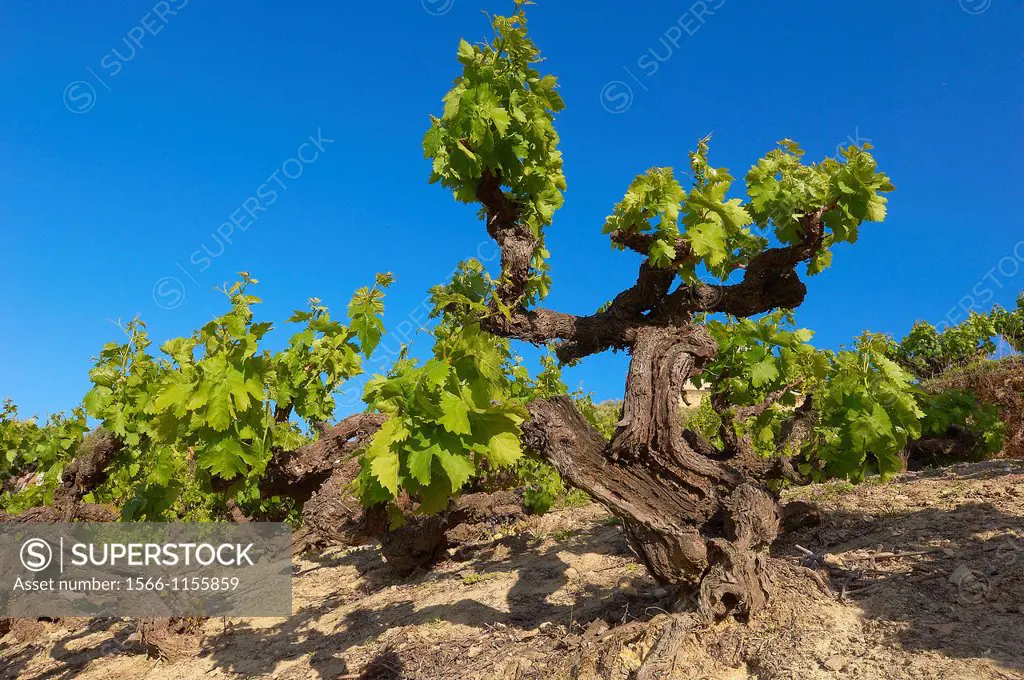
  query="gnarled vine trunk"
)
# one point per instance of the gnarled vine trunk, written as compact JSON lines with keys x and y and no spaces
{"x":695,"y":519}
{"x":694,"y":515}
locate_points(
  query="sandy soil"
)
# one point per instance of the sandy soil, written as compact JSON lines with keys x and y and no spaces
{"x":920,"y":578}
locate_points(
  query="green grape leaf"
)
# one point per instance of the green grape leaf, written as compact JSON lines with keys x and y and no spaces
{"x":503,"y":449}
{"x":385,"y":468}
{"x":420,"y":461}
{"x":456,"y":414}
{"x":224,"y":458}
{"x":457,"y":467}
{"x":764,"y":372}
{"x":218,"y":406}
{"x":173,"y":393}
{"x":662,"y":253}
{"x":708,"y":241}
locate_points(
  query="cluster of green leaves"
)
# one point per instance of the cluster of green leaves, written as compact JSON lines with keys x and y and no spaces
{"x":146,"y":480}
{"x":927,"y":352}
{"x":1010,"y":323}
{"x":605,"y":416}
{"x":36,"y":453}
{"x":759,"y":356}
{"x":499,"y":119}
{"x":866,"y":406}
{"x":868,"y":409}
{"x":453,"y":420}
{"x":718,"y":230}
{"x":756,"y":358}
{"x":541,"y":484}
{"x":783,"y":189}
{"x":450,"y":418}
{"x":651,"y":205}
{"x":201,"y":421}
{"x":959,"y":408}
{"x":307,"y":374}
{"x":705,"y":421}
{"x":885,"y":406}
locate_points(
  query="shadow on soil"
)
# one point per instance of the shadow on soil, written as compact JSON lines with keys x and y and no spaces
{"x":539,"y":575}
{"x":964,"y":599}
{"x":70,"y":660}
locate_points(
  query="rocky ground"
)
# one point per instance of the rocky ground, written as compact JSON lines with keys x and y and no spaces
{"x":922,"y":577}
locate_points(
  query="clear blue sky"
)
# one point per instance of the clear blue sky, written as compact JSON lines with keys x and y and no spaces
{"x":118,"y":166}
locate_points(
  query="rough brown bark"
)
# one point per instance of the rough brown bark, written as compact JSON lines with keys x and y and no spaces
{"x":693,"y":515}
{"x":423,"y":540}
{"x":692,"y":520}
{"x":420,"y":542}
{"x":299,"y":474}
{"x":86,"y":471}
{"x":769,"y":282}
{"x":485,"y":508}
{"x":956,"y":445}
{"x":334,"y":516}
{"x":171,"y":639}
{"x":235,"y":513}
{"x":319,"y":475}
{"x":84,"y":512}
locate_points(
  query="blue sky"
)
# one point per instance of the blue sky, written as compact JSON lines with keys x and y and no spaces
{"x":130,"y":132}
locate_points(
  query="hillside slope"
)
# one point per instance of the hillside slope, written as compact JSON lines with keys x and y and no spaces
{"x":926,"y":575}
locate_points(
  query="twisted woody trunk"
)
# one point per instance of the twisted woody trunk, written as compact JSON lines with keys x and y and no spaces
{"x":696,"y":516}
